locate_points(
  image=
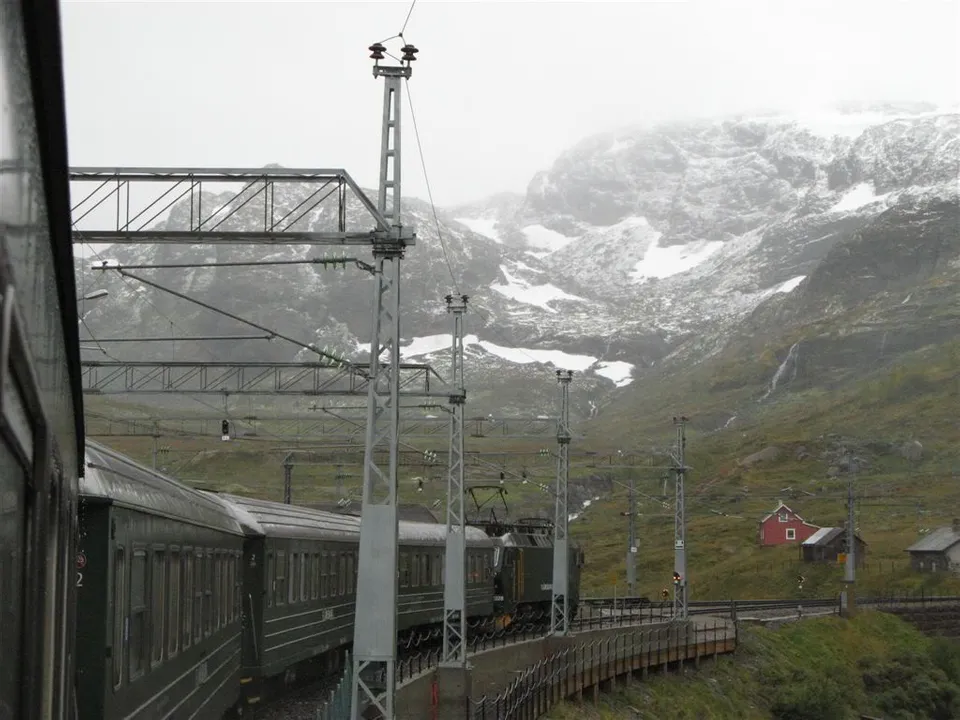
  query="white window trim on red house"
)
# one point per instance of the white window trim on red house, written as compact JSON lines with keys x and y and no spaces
{"x":791,"y":533}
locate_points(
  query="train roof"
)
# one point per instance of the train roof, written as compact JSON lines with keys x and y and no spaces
{"x":274,"y":519}
{"x":114,"y":478}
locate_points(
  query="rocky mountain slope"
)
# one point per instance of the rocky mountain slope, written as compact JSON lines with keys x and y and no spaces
{"x":640,"y":252}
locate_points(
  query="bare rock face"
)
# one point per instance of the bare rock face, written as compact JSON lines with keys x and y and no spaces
{"x":767,"y":455}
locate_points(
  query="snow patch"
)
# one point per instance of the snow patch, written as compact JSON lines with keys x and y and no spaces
{"x":857,"y":197}
{"x":790,"y":285}
{"x":540,"y":237}
{"x":538,"y":295}
{"x":482,"y":226}
{"x":617,"y":371}
{"x":557,"y":358}
{"x":619,"y":146}
{"x":664,"y":262}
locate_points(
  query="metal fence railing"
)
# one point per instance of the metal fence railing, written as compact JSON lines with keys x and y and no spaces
{"x":556,"y":677}
{"x":337,"y":704}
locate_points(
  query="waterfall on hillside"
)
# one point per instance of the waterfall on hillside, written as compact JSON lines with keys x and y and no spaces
{"x":791,"y":358}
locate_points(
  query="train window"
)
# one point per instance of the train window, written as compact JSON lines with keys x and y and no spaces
{"x":342,"y":574}
{"x":138,"y":613}
{"x":173,"y":606}
{"x":315,"y":578}
{"x":228,"y":599}
{"x":218,"y":581}
{"x":292,"y":586}
{"x":197,"y":595}
{"x":157,"y":590}
{"x":237,"y":586}
{"x":425,"y":569}
{"x":323,"y":574}
{"x":415,"y":581}
{"x":351,"y":577}
{"x":404,"y":569}
{"x":281,"y":570}
{"x":208,"y":594}
{"x":303,"y":577}
{"x":356,"y":570}
{"x":271,"y":580}
{"x":186,"y":560}
{"x":119,"y":614}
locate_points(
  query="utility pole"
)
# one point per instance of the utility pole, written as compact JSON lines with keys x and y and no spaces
{"x":680,"y":525}
{"x":632,"y":539}
{"x":288,"y":479}
{"x":850,"y":566}
{"x":454,"y":586}
{"x":560,"y":617}
{"x":375,"y":632}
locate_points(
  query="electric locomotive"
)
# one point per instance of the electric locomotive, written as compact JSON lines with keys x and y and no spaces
{"x":41,"y":406}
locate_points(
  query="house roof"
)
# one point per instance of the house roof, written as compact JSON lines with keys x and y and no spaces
{"x":825,"y":536}
{"x":777,"y":509}
{"x":939,"y":540}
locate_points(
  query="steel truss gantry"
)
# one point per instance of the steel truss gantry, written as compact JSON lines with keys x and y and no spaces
{"x":119,"y":205}
{"x":455,"y":586}
{"x":680,"y":599}
{"x":560,"y":615}
{"x":330,"y":428}
{"x":105,"y":377}
{"x":375,"y":632}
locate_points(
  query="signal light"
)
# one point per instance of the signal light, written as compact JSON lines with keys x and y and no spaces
{"x":502,"y":477}
{"x":225,"y":430}
{"x":419,"y":484}
{"x":676,"y":578}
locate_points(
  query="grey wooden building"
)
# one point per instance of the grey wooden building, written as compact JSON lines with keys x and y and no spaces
{"x":826,"y":544}
{"x":938,"y":551}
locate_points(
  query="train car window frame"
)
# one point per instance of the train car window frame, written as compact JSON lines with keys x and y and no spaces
{"x":118,"y":650}
{"x":271,"y":583}
{"x":281,"y":587}
{"x":157,"y":613}
{"x":323,"y":574}
{"x":404,"y":569}
{"x":292,"y":575}
{"x":216,"y":596}
{"x":197,"y":620}
{"x":303,"y":577}
{"x":208,"y":594}
{"x":173,"y":605}
{"x":138,"y":615}
{"x":186,"y":618}
{"x":315,"y":577}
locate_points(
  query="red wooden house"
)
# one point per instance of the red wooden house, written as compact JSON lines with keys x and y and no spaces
{"x":784,"y":526}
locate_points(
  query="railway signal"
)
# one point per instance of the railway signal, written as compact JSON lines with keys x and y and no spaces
{"x":225,"y":430}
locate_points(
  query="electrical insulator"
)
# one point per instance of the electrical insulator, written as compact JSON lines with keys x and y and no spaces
{"x":376,"y":51}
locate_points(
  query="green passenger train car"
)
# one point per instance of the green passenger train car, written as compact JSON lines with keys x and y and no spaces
{"x":300,"y":570}
{"x":159,"y":595}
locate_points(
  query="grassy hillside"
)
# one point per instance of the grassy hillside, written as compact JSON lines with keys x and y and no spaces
{"x":803,"y":434}
{"x":820,"y":669}
{"x":804,"y":439}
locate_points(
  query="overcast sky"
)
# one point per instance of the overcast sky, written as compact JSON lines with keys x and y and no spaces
{"x":499,"y":90}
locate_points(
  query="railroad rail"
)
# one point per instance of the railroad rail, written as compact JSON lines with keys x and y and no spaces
{"x":707,"y":607}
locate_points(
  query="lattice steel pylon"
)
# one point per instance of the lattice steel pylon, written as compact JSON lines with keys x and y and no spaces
{"x":560,"y":615}
{"x":375,"y":629}
{"x":454,"y":583}
{"x":680,"y":525}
